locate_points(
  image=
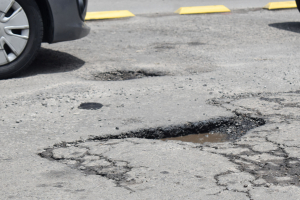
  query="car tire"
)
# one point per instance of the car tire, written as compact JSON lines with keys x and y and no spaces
{"x":22,"y":42}
{"x":298,"y":4}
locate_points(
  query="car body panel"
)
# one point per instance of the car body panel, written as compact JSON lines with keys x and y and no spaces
{"x":67,"y":23}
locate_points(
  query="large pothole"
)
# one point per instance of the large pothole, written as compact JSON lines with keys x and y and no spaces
{"x":125,"y":75}
{"x":232,"y":128}
{"x":79,"y":154}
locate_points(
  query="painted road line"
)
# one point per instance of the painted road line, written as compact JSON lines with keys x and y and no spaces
{"x":108,"y":15}
{"x":202,"y":9}
{"x":281,"y":5}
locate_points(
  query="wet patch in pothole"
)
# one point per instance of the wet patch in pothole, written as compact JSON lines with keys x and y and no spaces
{"x":125,"y":75}
{"x":90,"y":106}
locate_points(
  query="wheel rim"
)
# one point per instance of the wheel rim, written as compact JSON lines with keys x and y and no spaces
{"x":14,"y":31}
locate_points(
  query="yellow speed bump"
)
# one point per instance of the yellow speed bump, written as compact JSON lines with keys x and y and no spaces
{"x":202,"y":9}
{"x":108,"y":15}
{"x":281,"y":5}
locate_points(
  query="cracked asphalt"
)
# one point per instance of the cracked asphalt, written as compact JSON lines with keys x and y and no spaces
{"x":206,"y":67}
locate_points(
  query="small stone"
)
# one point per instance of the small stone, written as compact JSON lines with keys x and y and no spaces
{"x":117,"y":128}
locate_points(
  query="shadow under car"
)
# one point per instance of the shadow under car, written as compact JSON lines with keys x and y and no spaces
{"x":49,"y":61}
{"x":288,"y":26}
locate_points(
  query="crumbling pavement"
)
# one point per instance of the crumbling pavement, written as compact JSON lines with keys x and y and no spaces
{"x":263,"y":162}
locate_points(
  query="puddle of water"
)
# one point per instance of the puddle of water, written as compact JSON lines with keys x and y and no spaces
{"x":200,"y":138}
{"x":90,"y":106}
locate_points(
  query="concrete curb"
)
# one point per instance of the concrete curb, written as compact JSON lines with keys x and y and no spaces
{"x":281,"y":5}
{"x":108,"y":15}
{"x":202,"y":9}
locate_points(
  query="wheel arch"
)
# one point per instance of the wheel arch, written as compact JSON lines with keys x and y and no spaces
{"x":48,"y":21}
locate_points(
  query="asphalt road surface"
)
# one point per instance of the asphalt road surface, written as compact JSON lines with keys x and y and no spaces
{"x":192,"y":72}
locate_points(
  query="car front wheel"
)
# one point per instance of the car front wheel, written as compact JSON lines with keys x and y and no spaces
{"x":21,"y":33}
{"x":298,"y":4}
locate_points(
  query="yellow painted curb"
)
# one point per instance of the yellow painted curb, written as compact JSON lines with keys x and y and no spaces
{"x":202,"y":9}
{"x":281,"y":5}
{"x":108,"y":15}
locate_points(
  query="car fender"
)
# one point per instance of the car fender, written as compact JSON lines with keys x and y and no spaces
{"x":67,"y":23}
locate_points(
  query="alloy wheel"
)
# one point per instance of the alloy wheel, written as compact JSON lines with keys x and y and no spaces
{"x":14,"y":31}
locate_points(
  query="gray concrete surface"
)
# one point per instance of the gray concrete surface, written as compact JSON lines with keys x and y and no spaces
{"x":214,"y":66}
{"x":170,"y":6}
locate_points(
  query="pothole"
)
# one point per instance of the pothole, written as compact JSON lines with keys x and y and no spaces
{"x":227,"y":129}
{"x":79,"y":154}
{"x":223,"y":130}
{"x":230,"y":129}
{"x":125,"y":75}
{"x":200,"y":138}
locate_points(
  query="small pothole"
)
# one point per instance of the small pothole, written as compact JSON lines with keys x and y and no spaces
{"x":125,"y":75}
{"x":90,"y":106}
